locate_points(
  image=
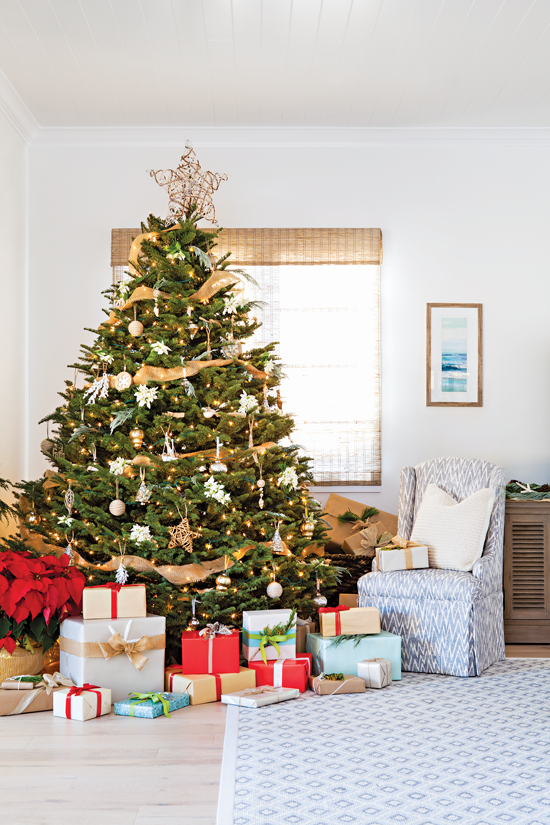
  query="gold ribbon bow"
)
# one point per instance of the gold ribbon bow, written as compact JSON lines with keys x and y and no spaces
{"x":371,"y":538}
{"x":134,"y":650}
{"x":358,"y":526}
{"x":48,"y":684}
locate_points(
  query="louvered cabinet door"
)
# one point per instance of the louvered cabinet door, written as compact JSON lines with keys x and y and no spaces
{"x":527,"y":572}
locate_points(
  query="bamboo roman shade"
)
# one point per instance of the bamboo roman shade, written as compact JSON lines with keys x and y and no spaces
{"x":280,"y":247}
{"x":317,"y":294}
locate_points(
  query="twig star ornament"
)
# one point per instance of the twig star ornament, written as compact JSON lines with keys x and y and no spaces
{"x":188,"y":185}
{"x":182,"y":535}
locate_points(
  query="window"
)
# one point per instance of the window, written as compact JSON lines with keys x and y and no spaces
{"x":321,"y":294}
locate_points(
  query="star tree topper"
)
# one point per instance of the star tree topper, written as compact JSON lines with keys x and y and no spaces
{"x":188,"y":184}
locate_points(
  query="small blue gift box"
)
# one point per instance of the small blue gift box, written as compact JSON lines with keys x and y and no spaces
{"x":150,"y":705}
{"x":343,"y":657}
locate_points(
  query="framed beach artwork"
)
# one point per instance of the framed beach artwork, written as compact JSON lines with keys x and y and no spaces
{"x":454,"y":355}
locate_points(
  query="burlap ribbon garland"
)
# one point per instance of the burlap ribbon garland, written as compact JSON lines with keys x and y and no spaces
{"x":49,"y":683}
{"x":115,"y":646}
{"x":160,"y":374}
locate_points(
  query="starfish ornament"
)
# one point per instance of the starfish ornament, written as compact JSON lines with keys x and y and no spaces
{"x":188,"y":184}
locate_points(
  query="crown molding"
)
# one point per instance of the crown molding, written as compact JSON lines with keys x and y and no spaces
{"x":286,"y":137}
{"x":16,"y":112}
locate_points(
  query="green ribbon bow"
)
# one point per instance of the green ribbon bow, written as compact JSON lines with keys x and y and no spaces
{"x":140,"y":698}
{"x":265,"y":639}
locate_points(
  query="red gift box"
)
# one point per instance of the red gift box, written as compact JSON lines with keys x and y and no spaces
{"x":210,"y":654}
{"x":288,"y":673}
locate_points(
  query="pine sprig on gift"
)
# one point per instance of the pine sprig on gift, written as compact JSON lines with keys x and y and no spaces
{"x":334,"y":677}
{"x":280,"y":629}
{"x":356,"y":638}
{"x":349,"y":517}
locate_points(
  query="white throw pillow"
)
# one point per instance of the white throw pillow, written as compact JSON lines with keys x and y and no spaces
{"x":454,"y":532}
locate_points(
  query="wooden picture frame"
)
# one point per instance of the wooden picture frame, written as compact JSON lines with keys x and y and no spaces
{"x":454,"y":355}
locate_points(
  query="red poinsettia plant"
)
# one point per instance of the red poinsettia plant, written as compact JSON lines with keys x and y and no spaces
{"x":36,"y":594}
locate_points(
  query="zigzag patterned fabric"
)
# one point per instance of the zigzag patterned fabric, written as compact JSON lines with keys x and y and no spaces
{"x":449,"y":621}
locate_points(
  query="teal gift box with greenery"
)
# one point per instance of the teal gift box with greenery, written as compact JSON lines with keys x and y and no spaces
{"x":151,"y":705}
{"x":340,"y":654}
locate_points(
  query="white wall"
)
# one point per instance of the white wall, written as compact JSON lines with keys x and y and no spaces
{"x":13,"y":223}
{"x":461,"y":223}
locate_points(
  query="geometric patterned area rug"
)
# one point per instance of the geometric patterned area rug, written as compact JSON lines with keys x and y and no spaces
{"x":429,"y":750}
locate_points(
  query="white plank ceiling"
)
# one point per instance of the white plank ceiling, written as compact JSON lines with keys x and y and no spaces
{"x":279,"y":63}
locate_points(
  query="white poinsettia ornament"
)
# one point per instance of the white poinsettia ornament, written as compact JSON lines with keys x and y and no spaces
{"x":117,"y":466}
{"x":65,"y":521}
{"x":145,"y":396}
{"x":248,"y":403}
{"x":213,"y":489}
{"x":231,"y":304}
{"x":289,"y":478}
{"x":140,"y":533}
{"x":160,"y":348}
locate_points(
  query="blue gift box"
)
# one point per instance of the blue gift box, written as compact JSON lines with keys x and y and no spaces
{"x":136,"y":705}
{"x":343,"y":658}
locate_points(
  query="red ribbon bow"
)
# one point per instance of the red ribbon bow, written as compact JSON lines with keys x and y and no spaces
{"x":336,"y":610}
{"x":76,"y":691}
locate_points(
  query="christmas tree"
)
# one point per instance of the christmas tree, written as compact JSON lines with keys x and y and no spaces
{"x":173,"y":464}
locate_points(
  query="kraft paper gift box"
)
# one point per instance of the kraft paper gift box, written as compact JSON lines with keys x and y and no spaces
{"x":254,"y":622}
{"x":158,"y":704}
{"x":348,"y":621}
{"x":120,"y":654}
{"x":260,"y":696}
{"x":40,"y":698}
{"x":288,"y":673}
{"x":82,"y":703}
{"x":362,"y":542}
{"x":329,"y":657}
{"x":210,"y":652}
{"x":348,"y":599}
{"x":206,"y":687}
{"x":23,"y":682}
{"x":335,"y":687}
{"x":338,"y":505}
{"x":114,"y":601}
{"x":303,"y":627}
{"x":410,"y":558}
{"x":375,"y":672}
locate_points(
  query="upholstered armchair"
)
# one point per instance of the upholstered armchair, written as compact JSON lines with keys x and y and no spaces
{"x":449,"y":621}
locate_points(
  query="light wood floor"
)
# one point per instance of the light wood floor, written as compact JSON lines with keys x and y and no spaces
{"x":113,"y":770}
{"x":121,"y":771}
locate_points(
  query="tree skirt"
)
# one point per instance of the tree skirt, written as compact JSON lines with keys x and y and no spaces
{"x":429,"y":750}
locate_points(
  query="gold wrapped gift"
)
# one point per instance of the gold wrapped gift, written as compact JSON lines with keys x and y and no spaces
{"x":338,"y":505}
{"x":207,"y":687}
{"x":349,"y":622}
{"x":40,"y":698}
{"x":114,"y":601}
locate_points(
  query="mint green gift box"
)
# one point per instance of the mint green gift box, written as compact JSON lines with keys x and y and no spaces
{"x":343,"y":658}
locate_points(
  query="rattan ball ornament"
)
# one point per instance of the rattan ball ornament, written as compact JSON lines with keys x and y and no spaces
{"x":135,"y":328}
{"x":117,"y":507}
{"x":274,"y":590}
{"x":47,"y":445}
{"x":136,"y":436}
{"x":223,"y":582}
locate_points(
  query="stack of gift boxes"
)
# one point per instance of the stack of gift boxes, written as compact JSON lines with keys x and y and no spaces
{"x":114,"y":653}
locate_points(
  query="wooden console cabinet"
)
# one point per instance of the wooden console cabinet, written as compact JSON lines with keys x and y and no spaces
{"x":527,"y":572}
